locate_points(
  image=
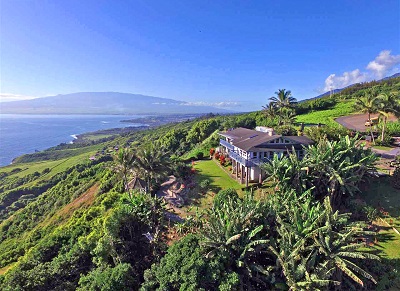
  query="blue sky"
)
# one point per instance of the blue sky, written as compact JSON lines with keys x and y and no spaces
{"x":228,"y":53}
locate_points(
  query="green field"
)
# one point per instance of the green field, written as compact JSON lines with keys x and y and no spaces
{"x":328,"y":116}
{"x":56,"y":166}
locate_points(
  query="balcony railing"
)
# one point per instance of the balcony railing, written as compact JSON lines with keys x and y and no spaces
{"x":226,"y":144}
{"x":259,"y":162}
{"x":240,"y":159}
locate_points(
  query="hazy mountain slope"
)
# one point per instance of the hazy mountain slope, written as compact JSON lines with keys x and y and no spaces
{"x":349,"y":86}
{"x":104,"y":103}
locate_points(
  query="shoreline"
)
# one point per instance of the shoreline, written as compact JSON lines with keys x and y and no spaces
{"x":143,"y":122}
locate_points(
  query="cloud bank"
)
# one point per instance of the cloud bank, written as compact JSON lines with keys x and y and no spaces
{"x":222,"y":104}
{"x":6,"y":97}
{"x":383,"y":64}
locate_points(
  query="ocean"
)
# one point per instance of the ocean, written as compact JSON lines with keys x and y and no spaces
{"x":22,"y":134}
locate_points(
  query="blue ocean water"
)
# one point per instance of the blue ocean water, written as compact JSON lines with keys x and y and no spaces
{"x":22,"y":134}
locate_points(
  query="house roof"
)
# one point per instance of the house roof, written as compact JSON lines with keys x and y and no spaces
{"x":252,"y":140}
{"x":239,"y":133}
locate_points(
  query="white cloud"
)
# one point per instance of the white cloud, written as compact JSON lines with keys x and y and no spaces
{"x":214,"y":104}
{"x":377,"y":69}
{"x":383,"y":63}
{"x":6,"y":97}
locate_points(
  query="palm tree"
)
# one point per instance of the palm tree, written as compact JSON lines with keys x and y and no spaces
{"x":368,"y":104}
{"x":389,"y":103}
{"x":283,"y":99}
{"x":270,"y":110}
{"x":286,"y":116}
{"x":125,"y":159}
{"x":151,"y":162}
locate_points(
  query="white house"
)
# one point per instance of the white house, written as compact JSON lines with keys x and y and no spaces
{"x":248,"y":149}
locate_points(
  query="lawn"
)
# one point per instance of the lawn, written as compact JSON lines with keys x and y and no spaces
{"x":219,"y":180}
{"x":381,"y":194}
{"x":328,"y":116}
{"x":208,"y":169}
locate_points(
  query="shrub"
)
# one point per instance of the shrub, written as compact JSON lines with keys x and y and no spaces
{"x":387,"y":140}
{"x":204,"y":185}
{"x":212,"y":151}
{"x":222,"y":160}
{"x":217,"y":155}
{"x":199,"y":155}
{"x":224,"y":195}
{"x":396,"y":178}
{"x":185,"y":267}
{"x":286,"y":130}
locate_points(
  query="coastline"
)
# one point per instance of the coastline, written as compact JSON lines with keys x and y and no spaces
{"x":102,"y":135}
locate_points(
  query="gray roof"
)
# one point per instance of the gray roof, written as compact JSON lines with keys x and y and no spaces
{"x":252,"y":140}
{"x":239,"y":133}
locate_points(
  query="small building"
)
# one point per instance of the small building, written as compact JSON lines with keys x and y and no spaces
{"x":138,"y":184}
{"x":248,"y":149}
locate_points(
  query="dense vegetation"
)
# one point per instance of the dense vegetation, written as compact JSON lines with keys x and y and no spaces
{"x":68,"y":223}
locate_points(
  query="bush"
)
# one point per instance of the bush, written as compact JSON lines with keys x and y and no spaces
{"x":199,"y":155}
{"x":387,"y":140}
{"x":212,"y":151}
{"x":224,"y":195}
{"x":204,"y":185}
{"x":185,"y":267}
{"x":396,"y":178}
{"x":222,"y":160}
{"x":393,"y":128}
{"x":286,"y":130}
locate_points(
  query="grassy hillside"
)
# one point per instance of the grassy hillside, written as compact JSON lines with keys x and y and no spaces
{"x":65,"y":220}
{"x":328,"y":116}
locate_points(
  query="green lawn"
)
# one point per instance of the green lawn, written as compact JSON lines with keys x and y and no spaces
{"x":208,"y":169}
{"x":381,"y":194}
{"x":328,"y":116}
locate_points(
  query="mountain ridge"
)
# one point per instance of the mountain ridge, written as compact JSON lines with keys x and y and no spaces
{"x":104,"y":103}
{"x":334,"y":91}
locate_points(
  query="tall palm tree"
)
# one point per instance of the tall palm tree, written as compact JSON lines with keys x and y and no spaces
{"x":389,"y":103}
{"x":270,"y":110}
{"x":151,"y":162}
{"x":125,"y":159}
{"x":283,"y":99}
{"x":368,"y":104}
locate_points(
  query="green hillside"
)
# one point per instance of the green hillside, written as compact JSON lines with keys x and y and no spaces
{"x":67,"y":223}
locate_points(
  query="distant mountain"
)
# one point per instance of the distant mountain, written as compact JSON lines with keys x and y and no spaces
{"x":338,"y":90}
{"x":104,"y":103}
